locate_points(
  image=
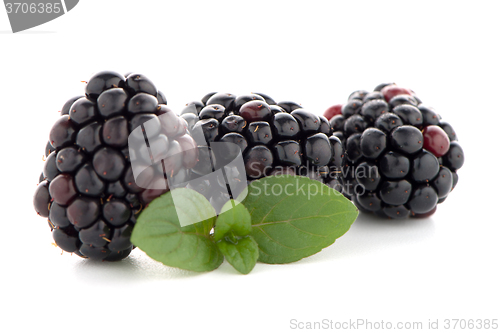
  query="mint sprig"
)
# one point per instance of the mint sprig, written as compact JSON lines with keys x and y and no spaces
{"x":232,"y":230}
{"x":282,"y":219}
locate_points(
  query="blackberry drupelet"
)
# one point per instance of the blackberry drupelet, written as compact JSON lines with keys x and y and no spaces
{"x":87,"y":188}
{"x":273,"y":138}
{"x":400,"y":158}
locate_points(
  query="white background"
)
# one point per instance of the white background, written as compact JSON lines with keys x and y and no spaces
{"x":315,"y":53}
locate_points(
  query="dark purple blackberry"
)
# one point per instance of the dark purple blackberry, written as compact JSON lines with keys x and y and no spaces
{"x":87,"y":188}
{"x":273,"y":139}
{"x":400,"y":158}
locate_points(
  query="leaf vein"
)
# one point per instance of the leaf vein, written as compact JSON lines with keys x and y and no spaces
{"x":288,"y":247}
{"x":299,"y":218}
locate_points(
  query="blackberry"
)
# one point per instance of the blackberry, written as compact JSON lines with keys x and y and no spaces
{"x":400,"y":158}
{"x":272,"y":138}
{"x":87,"y":188}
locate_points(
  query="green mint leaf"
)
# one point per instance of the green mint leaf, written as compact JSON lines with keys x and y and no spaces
{"x":234,"y":218}
{"x":232,"y":228}
{"x":159,"y":234}
{"x":242,"y":254}
{"x":295,"y":217}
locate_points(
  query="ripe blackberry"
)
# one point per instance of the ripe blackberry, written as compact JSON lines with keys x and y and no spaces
{"x":400,"y":158}
{"x":272,"y":138}
{"x":87,"y":188}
